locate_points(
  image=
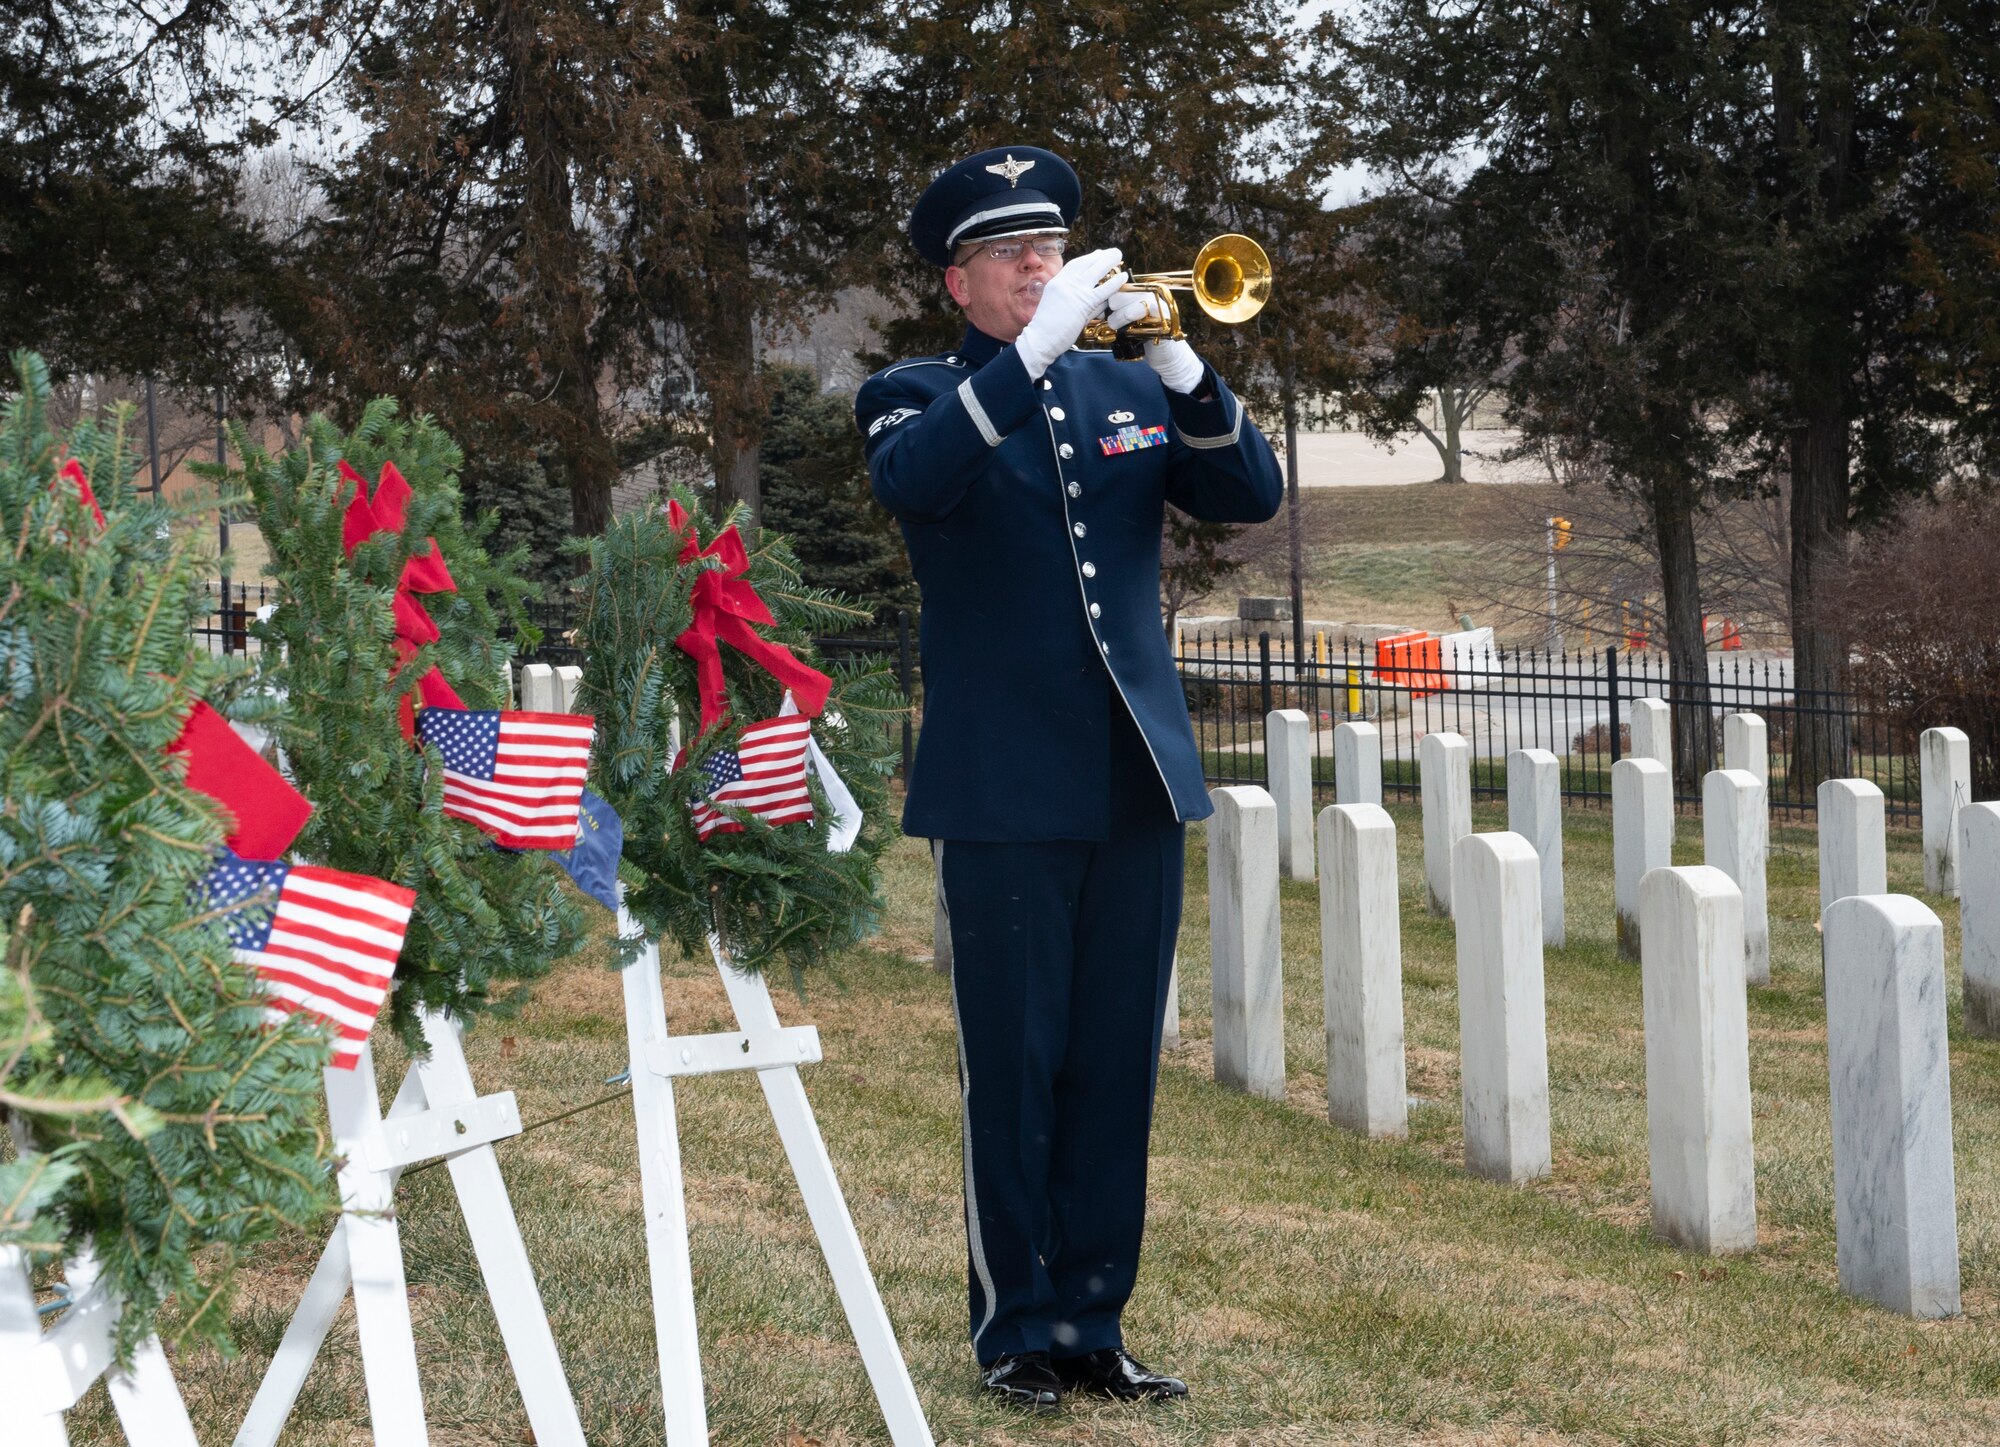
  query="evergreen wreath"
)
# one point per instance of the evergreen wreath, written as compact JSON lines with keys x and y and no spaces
{"x":769,"y":893}
{"x":157,"y":1118}
{"x":483,"y":915}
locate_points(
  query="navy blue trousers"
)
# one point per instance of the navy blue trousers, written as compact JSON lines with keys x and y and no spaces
{"x":1061,"y":952}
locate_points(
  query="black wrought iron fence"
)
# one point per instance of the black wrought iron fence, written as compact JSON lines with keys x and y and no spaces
{"x":1577,"y":705}
{"x":233,"y":608}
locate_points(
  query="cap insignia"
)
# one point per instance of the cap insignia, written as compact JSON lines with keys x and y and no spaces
{"x":1012,"y":169}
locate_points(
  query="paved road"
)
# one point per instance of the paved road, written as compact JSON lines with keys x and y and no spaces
{"x":1348,"y":459}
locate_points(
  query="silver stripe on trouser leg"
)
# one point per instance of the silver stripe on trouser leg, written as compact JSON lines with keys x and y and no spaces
{"x":975,"y":1243}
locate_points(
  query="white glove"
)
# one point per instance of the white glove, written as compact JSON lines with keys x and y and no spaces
{"x":1076,"y":295}
{"x":1130,"y":306}
{"x":1179,"y":368}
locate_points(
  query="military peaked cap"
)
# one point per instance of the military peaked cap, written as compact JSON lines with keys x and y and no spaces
{"x":1012,"y":191}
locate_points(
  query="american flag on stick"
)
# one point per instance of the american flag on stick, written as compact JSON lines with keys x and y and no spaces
{"x":323,"y":942}
{"x":518,"y":776}
{"x":764,"y":776}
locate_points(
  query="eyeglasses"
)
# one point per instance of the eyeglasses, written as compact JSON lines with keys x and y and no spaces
{"x":1049,"y":248}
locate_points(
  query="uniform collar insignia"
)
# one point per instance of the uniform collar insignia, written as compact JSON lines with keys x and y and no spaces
{"x":1012,"y":169}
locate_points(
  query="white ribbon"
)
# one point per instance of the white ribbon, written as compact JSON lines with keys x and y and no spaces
{"x":846,"y":813}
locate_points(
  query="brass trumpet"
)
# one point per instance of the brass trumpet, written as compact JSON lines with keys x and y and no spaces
{"x":1230,"y":280}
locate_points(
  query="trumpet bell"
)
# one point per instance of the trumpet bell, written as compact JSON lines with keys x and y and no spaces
{"x":1231,"y":278}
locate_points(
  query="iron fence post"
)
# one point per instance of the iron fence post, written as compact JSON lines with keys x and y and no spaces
{"x":1611,"y":695}
{"x":1264,"y":696}
{"x":1264,"y":670}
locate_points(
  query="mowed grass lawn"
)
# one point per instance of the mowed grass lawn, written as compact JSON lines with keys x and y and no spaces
{"x":1415,"y":554}
{"x":1312,"y":1286}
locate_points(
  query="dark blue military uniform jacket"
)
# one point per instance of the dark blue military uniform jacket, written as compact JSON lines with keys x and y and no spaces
{"x":1032,"y":512}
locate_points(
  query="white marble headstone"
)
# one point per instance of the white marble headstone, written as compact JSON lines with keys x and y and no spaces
{"x":1170,"y":1019}
{"x":1642,"y":838}
{"x":1735,"y":838}
{"x":1697,"y":1060}
{"x":1744,"y":746}
{"x":941,"y":951}
{"x":538,"y":688}
{"x":1357,"y":763}
{"x":1895,"y":1205}
{"x":1444,"y":778}
{"x":1853,"y":841}
{"x":1288,"y":754}
{"x":1653,"y":731}
{"x":1979,"y":915}
{"x":1534,"y":811}
{"x":1246,"y":981}
{"x":1945,"y":758}
{"x":569,"y":678}
{"x":1502,"y":1013}
{"x":1362,"y":969}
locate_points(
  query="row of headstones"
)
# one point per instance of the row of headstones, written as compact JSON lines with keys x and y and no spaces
{"x":1896,"y":1229}
{"x":544,"y":688}
{"x":1961,"y":839}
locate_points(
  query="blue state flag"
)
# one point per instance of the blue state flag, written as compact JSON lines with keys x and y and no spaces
{"x":593,"y":860}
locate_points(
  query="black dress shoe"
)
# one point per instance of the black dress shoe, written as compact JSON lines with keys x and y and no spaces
{"x":1024,"y":1379}
{"x":1113,"y":1373}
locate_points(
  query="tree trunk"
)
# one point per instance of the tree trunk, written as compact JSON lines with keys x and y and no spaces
{"x":1449,"y":414}
{"x":1672,"y":506}
{"x":736,"y":396}
{"x":726,"y":335}
{"x":1819,"y":456}
{"x":1821,"y":738}
{"x":553,"y":257}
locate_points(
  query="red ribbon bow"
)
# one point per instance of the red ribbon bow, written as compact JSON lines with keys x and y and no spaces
{"x":725,"y":609}
{"x":72,"y":472}
{"x":386,"y":513}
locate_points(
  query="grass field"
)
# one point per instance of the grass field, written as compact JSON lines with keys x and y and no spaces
{"x":1314,"y":1287}
{"x":1401,"y":554}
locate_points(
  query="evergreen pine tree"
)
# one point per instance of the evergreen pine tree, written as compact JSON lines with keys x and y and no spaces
{"x":483,"y":915}
{"x":169,"y":1126}
{"x":816,"y":492}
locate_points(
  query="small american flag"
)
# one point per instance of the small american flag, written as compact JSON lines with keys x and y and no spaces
{"x":324,"y":943}
{"x":518,"y":776}
{"x":764,"y":775}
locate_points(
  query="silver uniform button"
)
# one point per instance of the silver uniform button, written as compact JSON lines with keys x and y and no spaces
{"x":1105,"y":646}
{"x":1065,"y":451}
{"x":1090,"y":570}
{"x":1057,"y":413}
{"x":1076,"y":489}
{"x":1078,"y":529}
{"x":1095,"y":611}
{"x":1047,"y":385}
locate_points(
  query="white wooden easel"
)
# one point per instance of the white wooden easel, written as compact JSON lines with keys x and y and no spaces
{"x":45,"y":1373}
{"x":436,"y":1114}
{"x":775,"y":1052}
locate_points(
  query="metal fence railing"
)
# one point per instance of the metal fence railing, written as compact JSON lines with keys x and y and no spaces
{"x":1577,"y":705}
{"x":233,"y":608}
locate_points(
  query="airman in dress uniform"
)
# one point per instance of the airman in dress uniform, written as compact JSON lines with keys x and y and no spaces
{"x":1056,"y":768}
